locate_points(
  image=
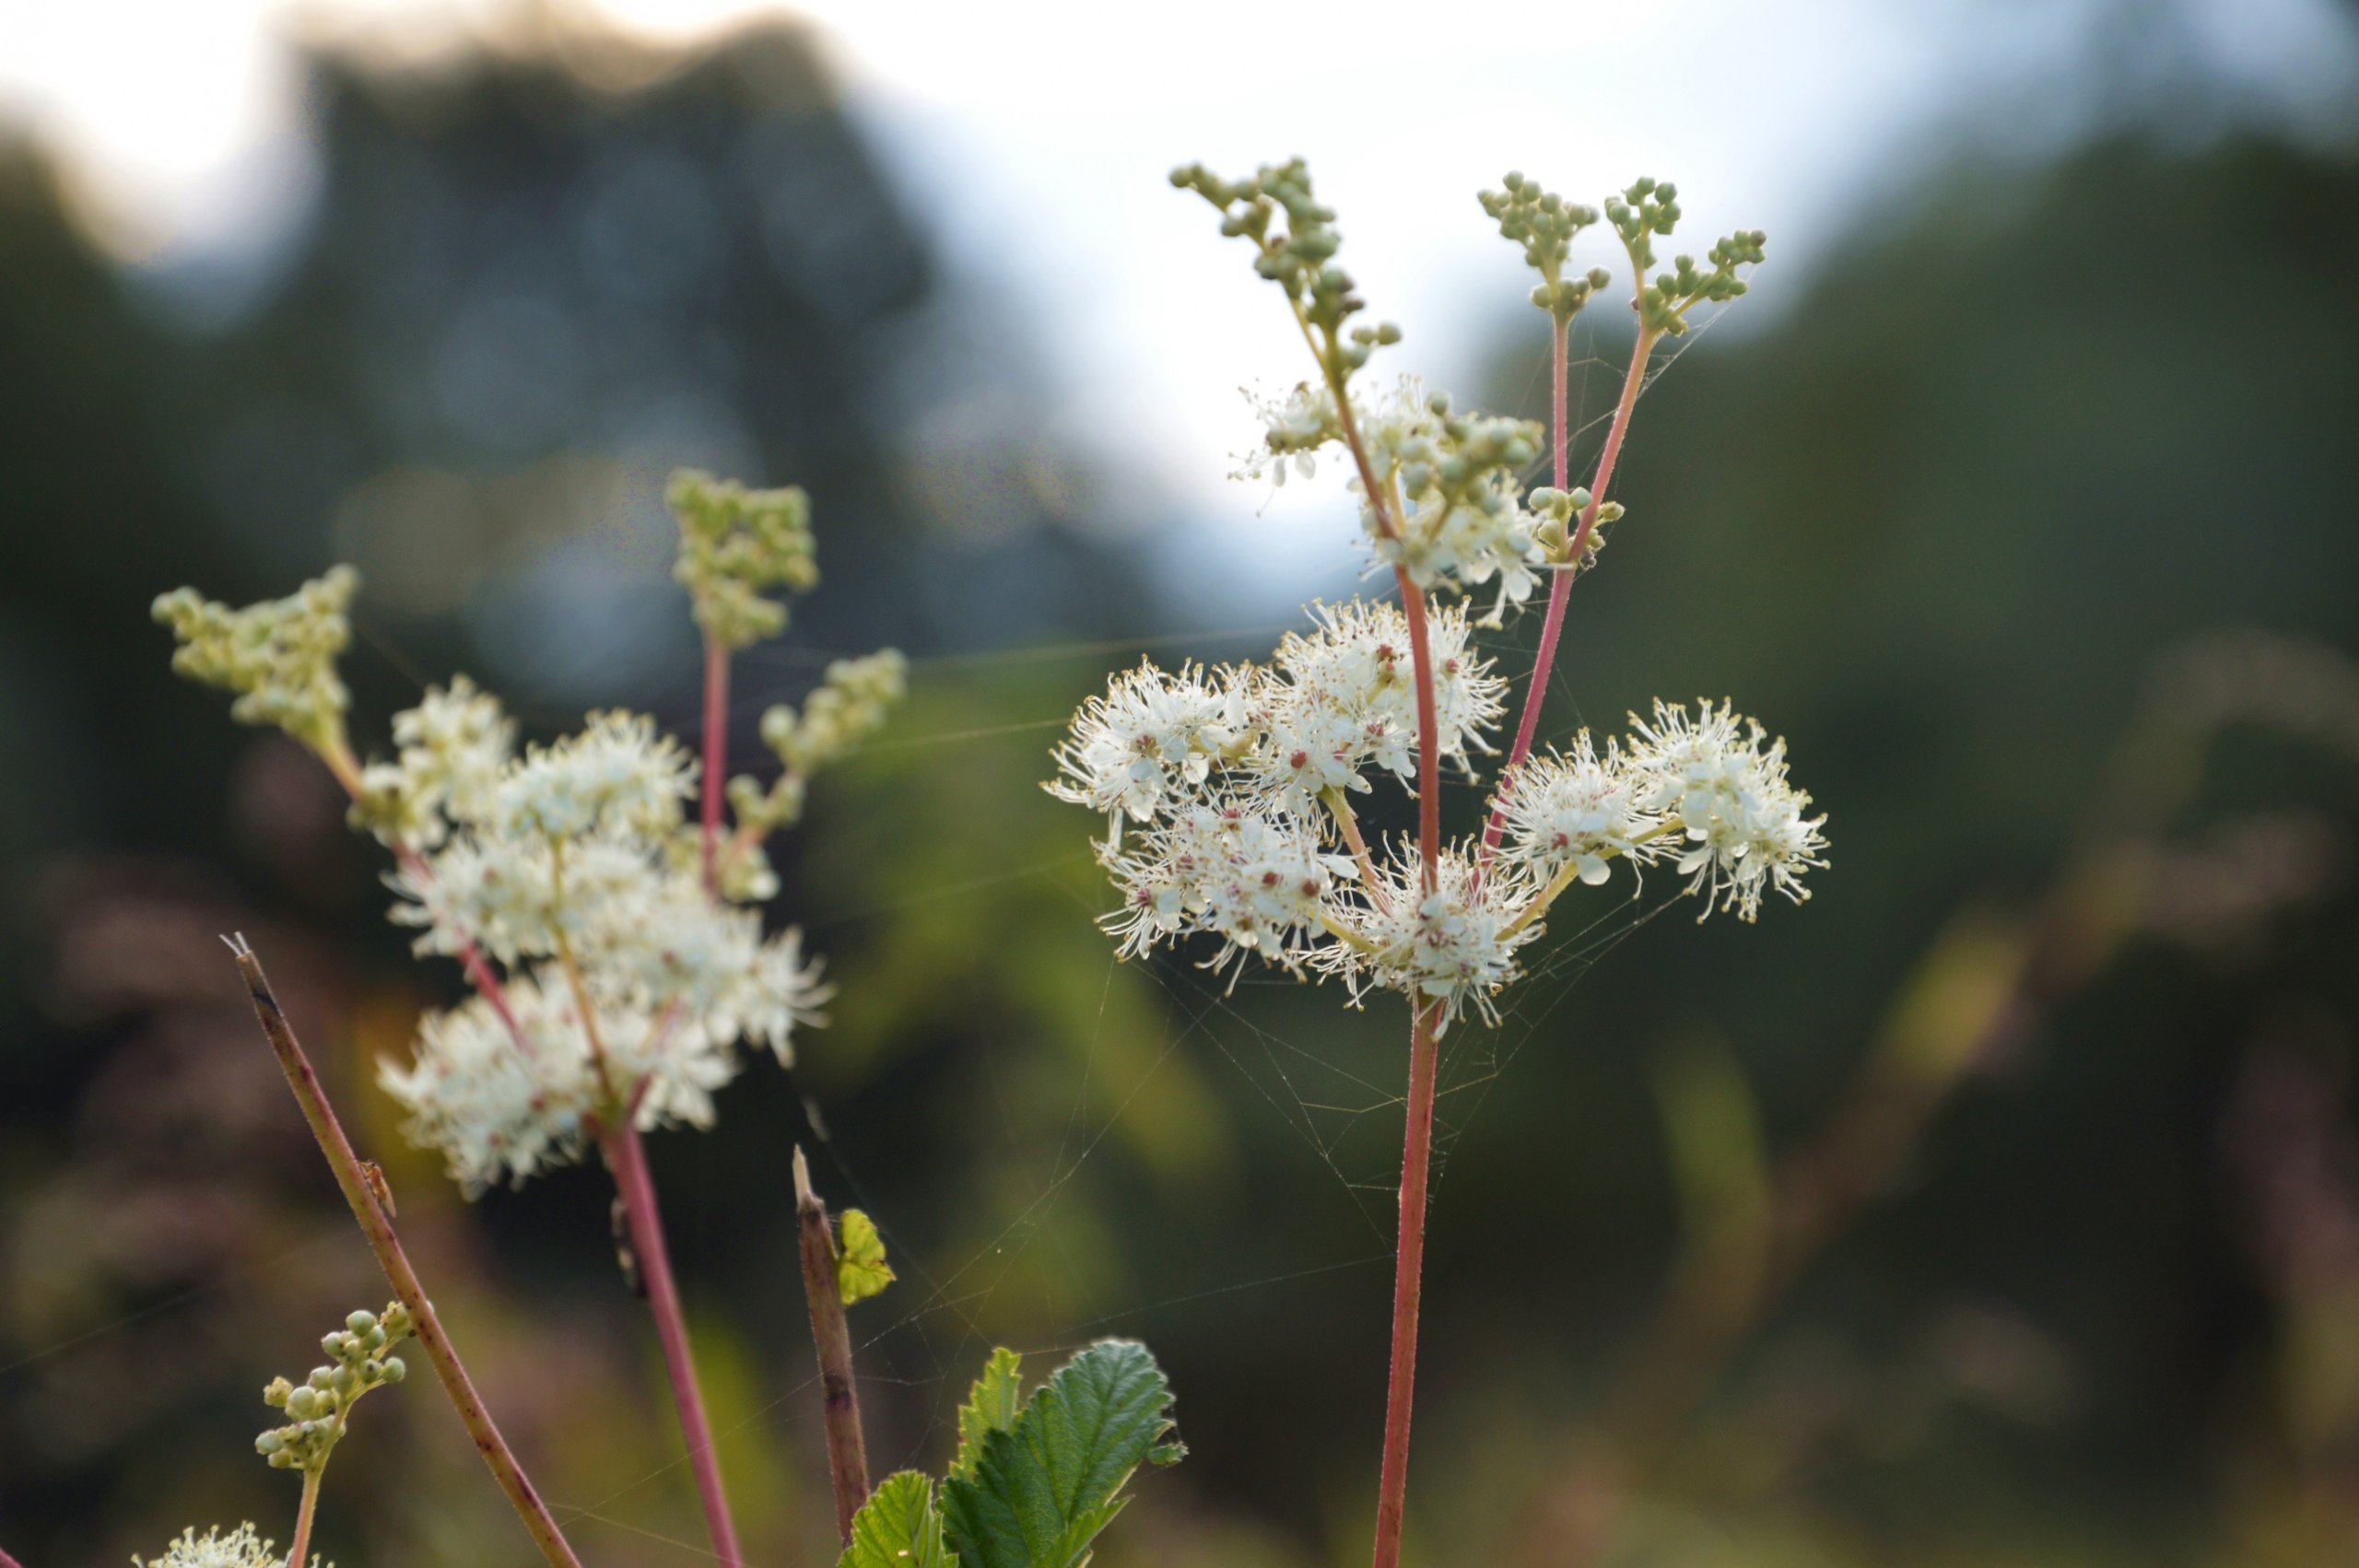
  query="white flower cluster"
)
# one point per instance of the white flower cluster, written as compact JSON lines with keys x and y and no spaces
{"x":1742,"y":822}
{"x":572,"y":867}
{"x":1449,"y":484}
{"x":1455,"y":944}
{"x":240,"y":1549}
{"x":1240,"y":777}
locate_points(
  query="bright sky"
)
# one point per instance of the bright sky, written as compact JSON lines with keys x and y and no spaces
{"x":1035,"y":134}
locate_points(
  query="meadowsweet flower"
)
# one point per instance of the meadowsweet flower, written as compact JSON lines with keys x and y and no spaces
{"x":1343,"y":699}
{"x":454,"y":745}
{"x":240,"y":1549}
{"x":1455,"y":944}
{"x":1579,"y":808}
{"x":618,"y":775}
{"x":1141,"y":747}
{"x":278,"y":656}
{"x":1294,"y":427}
{"x":573,"y":867}
{"x":1743,"y":822}
{"x":1256,"y":879}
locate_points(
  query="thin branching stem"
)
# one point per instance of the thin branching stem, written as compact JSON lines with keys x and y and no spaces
{"x":831,"y":1336}
{"x":1560,"y":582}
{"x":378,"y":1227}
{"x":1349,"y":826}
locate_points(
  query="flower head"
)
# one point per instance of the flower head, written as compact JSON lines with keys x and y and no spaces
{"x":1454,"y":944}
{"x":1579,"y":808}
{"x":1727,"y":790}
{"x":1256,"y":879}
{"x":1138,"y":750}
{"x":240,"y":1549}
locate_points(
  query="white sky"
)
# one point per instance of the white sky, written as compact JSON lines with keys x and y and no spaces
{"x":1035,"y":134}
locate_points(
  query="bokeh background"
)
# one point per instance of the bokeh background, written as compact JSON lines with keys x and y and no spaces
{"x":2000,"y":1207}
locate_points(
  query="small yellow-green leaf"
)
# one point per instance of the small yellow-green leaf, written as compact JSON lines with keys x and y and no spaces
{"x":861,"y":1268}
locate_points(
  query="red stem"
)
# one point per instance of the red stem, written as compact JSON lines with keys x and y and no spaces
{"x":1560,"y":584}
{"x":627,"y":1158}
{"x":1425,"y":1042}
{"x":716,"y":754}
{"x":1416,"y":1155}
{"x":8,"y":1562}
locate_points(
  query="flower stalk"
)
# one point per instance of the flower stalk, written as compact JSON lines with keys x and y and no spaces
{"x":377,"y":1226}
{"x":303,"y":1511}
{"x":625,"y":1157}
{"x":831,"y":1335}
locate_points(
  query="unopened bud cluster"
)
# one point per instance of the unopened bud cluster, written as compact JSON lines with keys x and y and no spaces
{"x":277,"y":656}
{"x":1546,"y":224}
{"x":734,"y":544}
{"x":319,"y":1407}
{"x":851,"y":704}
{"x":1300,"y":258}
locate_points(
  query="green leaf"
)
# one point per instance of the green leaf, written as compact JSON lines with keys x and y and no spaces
{"x":990,"y":1405}
{"x":897,"y":1527}
{"x":861,"y":1268}
{"x":1044,"y":1487}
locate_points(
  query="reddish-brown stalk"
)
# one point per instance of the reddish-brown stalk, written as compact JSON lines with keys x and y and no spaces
{"x":8,"y":1562}
{"x":716,"y":755}
{"x":1425,"y":1045}
{"x":1560,"y":583}
{"x":378,"y":1227}
{"x":840,"y":1394}
{"x":626,"y":1158}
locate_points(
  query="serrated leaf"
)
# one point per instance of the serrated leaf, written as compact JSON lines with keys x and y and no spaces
{"x":1044,"y":1486}
{"x":991,"y":1404}
{"x":899,"y":1527}
{"x":861,"y":1268}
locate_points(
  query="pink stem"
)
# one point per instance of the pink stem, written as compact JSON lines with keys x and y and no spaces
{"x":8,"y":1562}
{"x":1408,"y":1268}
{"x":1560,"y":583}
{"x":716,"y":754}
{"x":627,"y":1158}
